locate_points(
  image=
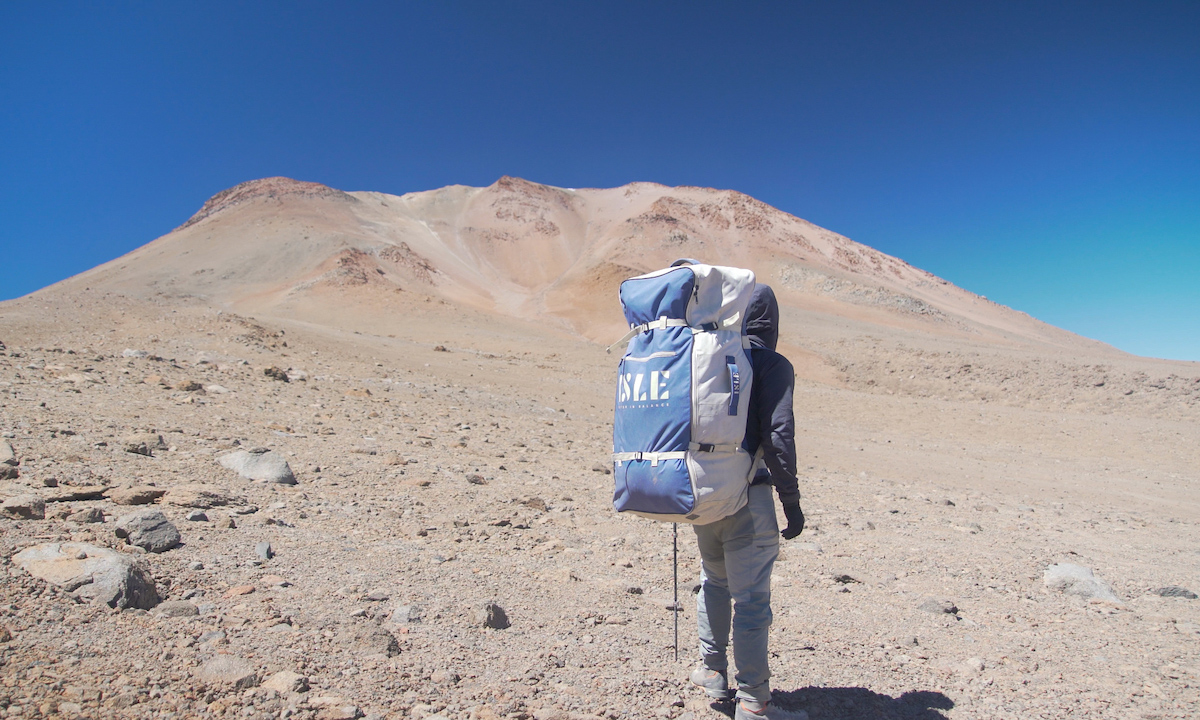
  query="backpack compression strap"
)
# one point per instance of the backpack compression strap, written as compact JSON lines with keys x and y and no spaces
{"x":662,"y":322}
{"x":656,"y":458}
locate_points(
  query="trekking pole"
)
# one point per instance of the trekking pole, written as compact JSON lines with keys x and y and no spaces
{"x":675,"y":583}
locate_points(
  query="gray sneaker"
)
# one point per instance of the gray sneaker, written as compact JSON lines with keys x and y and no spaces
{"x":713,"y":682}
{"x":749,"y":710}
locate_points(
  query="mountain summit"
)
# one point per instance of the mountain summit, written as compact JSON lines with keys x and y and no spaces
{"x":533,"y":252}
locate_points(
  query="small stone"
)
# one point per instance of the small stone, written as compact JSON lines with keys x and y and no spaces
{"x":286,"y":681}
{"x":216,"y":389}
{"x":1078,"y":580}
{"x":1175,"y":591}
{"x":27,"y":507}
{"x":404,"y":614}
{"x":238,"y":590}
{"x":974,"y":665}
{"x":224,"y":522}
{"x":176,"y":609}
{"x":189,"y":386}
{"x":259,"y":464}
{"x":137,"y":495}
{"x":131,"y":353}
{"x":87,"y":516}
{"x":144,"y":444}
{"x":198,"y":495}
{"x":196,"y":516}
{"x":602,"y":468}
{"x":264,"y":550}
{"x":148,"y":529}
{"x":377,"y":641}
{"x":476,"y":479}
{"x":493,"y":616}
{"x":7,"y":455}
{"x":938,"y":607}
{"x":276,"y":374}
{"x":227,"y":670}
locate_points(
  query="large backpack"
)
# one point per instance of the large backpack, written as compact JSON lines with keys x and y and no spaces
{"x":683,"y":393}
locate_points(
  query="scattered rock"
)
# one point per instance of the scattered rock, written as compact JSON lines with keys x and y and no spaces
{"x":7,"y":455}
{"x":286,"y":681}
{"x":276,"y":374}
{"x":238,"y":590}
{"x":87,"y":516}
{"x":492,"y":616}
{"x":77,"y":492}
{"x":404,"y":614}
{"x":148,"y":529}
{"x":1176,"y":591}
{"x":938,"y":607}
{"x":259,"y":464}
{"x":264,"y":550}
{"x":196,"y":516}
{"x":377,"y":641}
{"x":1078,"y":580}
{"x":9,"y":472}
{"x":602,"y":468}
{"x":131,"y":353}
{"x":176,"y":609}
{"x":144,"y":444}
{"x":216,"y":390}
{"x":93,"y":573}
{"x":189,"y":386}
{"x":476,"y":479}
{"x":227,"y":670}
{"x":137,"y":495}
{"x":197,"y":495}
{"x":26,"y":507}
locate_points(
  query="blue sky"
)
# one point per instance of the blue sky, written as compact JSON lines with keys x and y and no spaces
{"x":1046,"y":155}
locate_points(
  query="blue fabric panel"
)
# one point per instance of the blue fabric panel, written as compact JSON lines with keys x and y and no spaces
{"x":646,"y":299}
{"x":665,"y":489}
{"x":654,"y":393}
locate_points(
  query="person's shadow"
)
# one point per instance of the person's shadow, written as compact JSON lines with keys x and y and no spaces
{"x":856,"y":703}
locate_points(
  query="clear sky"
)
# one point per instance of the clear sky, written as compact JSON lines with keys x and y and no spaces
{"x":1044,"y":154}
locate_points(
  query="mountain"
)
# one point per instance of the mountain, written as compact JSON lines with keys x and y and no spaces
{"x":553,"y":258}
{"x":534,"y":252}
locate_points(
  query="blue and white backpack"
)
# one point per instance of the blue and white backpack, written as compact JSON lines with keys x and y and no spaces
{"x":683,"y":392}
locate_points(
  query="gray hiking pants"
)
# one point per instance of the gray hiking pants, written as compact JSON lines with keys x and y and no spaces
{"x":737,"y":554}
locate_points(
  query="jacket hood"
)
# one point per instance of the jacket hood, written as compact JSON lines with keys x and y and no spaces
{"x":762,"y":319}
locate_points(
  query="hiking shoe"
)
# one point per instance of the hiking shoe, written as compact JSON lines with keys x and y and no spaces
{"x":713,"y":682}
{"x":750,"y":710}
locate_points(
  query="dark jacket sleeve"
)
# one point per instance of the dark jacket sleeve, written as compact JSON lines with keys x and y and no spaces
{"x":772,"y":421}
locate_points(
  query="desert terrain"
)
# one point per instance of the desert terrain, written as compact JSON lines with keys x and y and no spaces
{"x":432,"y":369}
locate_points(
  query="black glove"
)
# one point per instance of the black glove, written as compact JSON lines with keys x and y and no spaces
{"x":795,"y":519}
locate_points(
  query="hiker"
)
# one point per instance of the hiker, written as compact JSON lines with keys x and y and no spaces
{"x":738,"y":551}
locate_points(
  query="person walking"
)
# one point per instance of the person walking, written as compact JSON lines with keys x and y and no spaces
{"x":738,"y":552}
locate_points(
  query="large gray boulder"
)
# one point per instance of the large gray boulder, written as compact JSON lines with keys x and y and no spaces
{"x":1078,"y":580}
{"x":93,"y":573}
{"x":148,"y":529}
{"x":259,"y":464}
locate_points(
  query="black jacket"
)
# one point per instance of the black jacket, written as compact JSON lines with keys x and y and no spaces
{"x":771,"y":423}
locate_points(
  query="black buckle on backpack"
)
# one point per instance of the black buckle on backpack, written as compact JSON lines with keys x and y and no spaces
{"x":705,"y":447}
